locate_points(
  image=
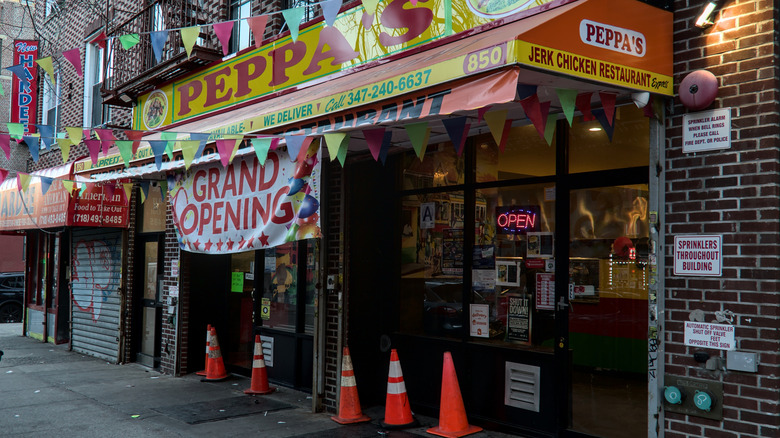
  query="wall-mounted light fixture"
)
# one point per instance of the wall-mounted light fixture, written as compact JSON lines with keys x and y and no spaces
{"x":704,"y":19}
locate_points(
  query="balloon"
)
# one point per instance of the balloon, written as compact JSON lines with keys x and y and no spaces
{"x":296,"y":184}
{"x":303,"y":168}
{"x":308,"y":220}
{"x":308,"y":207}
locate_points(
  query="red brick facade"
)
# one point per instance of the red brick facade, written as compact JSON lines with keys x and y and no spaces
{"x":734,"y":193}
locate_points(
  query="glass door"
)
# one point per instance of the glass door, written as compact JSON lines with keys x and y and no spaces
{"x":608,"y":310}
{"x":286,"y":311}
{"x":151,"y":307}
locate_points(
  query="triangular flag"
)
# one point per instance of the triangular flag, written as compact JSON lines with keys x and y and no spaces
{"x":293,"y":19}
{"x":189,"y":36}
{"x":608,"y":103}
{"x":370,"y":6}
{"x":640,"y":99}
{"x":94,"y":148}
{"x":129,"y":40}
{"x":16,"y":130}
{"x":188,"y":150}
{"x":158,"y":42}
{"x":170,"y":138}
{"x":481,"y":112}
{"x":294,"y":145}
{"x":495,"y":121}
{"x":3,"y":174}
{"x":202,"y":138}
{"x":455,"y":127}
{"x":226,"y":148}
{"x":125,"y":150}
{"x":136,"y":137}
{"x":330,"y":9}
{"x":158,"y":148}
{"x":418,"y":134}
{"x":47,"y":66}
{"x":75,"y":134}
{"x":385,"y":146}
{"x":144,"y":191}
{"x":505,"y":135}
{"x":108,"y":189}
{"x":163,"y":188}
{"x":105,"y":134}
{"x":224,"y":30}
{"x":22,"y":181}
{"x":64,"y":144}
{"x":601,"y":116}
{"x":262,"y":146}
{"x":128,"y":190}
{"x":257,"y":24}
{"x":533,"y":111}
{"x":525,"y":91}
{"x":33,"y":143}
{"x":2,"y":91}
{"x":342,"y":153}
{"x":68,"y":184}
{"x":74,"y":57}
{"x":19,"y":70}
{"x":549,"y":129}
{"x":583,"y":104}
{"x":5,"y":145}
{"x":334,"y":141}
{"x":45,"y":184}
{"x":567,"y":98}
{"x":374,"y":138}
{"x":100,"y":40}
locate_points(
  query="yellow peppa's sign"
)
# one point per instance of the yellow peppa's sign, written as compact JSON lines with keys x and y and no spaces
{"x":357,"y":37}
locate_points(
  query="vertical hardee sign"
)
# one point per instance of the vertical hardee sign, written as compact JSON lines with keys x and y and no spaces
{"x":24,"y":101}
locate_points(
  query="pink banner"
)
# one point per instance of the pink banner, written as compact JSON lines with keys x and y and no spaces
{"x":246,"y":206}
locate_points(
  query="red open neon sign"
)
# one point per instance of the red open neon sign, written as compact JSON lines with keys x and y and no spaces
{"x":512,"y":220}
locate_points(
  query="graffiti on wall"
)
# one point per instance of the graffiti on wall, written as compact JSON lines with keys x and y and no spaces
{"x":94,"y":276}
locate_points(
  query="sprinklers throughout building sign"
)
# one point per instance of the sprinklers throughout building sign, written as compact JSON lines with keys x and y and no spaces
{"x":698,"y":255}
{"x":246,"y":206}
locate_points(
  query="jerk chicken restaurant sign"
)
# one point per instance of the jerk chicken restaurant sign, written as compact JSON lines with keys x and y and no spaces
{"x":248,"y":205}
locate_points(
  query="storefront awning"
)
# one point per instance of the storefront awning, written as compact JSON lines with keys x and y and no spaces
{"x":577,"y":39}
{"x":586,"y":45}
{"x":46,"y":203}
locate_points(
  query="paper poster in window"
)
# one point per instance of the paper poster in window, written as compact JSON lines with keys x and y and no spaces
{"x":540,"y":245}
{"x":507,"y":273}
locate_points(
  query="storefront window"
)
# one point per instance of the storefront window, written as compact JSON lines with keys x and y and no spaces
{"x":240,"y":306}
{"x":432,"y":264}
{"x":590,"y":148}
{"x":512,"y":292}
{"x":525,"y":155}
{"x":441,"y":167}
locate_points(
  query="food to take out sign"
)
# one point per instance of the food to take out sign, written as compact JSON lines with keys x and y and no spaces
{"x":698,"y":255}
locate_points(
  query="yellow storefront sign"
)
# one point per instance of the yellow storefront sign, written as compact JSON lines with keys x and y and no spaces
{"x":595,"y":69}
{"x":357,"y":37}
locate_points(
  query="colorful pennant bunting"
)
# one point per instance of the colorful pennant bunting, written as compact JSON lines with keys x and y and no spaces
{"x":257,"y":24}
{"x":73,"y":56}
{"x":189,"y":36}
{"x":224,"y":30}
{"x":129,"y":40}
{"x":293,"y":18}
{"x":158,"y":42}
{"x":419,"y":133}
{"x":374,"y":138}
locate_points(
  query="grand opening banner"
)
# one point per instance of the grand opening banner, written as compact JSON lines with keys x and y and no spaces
{"x":246,"y":205}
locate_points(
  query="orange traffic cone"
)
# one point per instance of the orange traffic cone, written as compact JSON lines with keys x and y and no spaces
{"x":259,"y":374}
{"x":349,"y":404}
{"x":215,"y":368}
{"x":206,"y":361}
{"x":452,"y":414}
{"x":398,"y":413}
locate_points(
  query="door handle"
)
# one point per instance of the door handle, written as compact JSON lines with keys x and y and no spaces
{"x":562,"y":304}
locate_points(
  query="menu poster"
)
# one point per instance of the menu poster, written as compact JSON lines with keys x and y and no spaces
{"x":518,"y":319}
{"x":545,"y":291}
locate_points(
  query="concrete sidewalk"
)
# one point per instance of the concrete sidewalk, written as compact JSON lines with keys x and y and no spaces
{"x":46,"y":390}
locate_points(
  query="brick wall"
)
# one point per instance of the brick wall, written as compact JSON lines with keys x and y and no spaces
{"x":732,"y":192}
